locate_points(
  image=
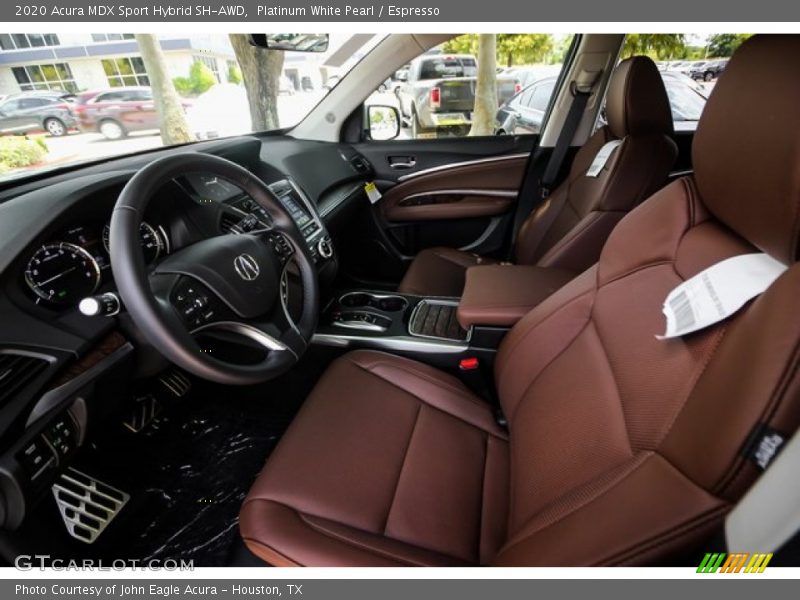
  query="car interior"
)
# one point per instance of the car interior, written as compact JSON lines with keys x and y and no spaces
{"x":307,"y":347}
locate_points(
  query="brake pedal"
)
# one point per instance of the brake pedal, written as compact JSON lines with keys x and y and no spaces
{"x":86,"y":504}
{"x":146,"y":409}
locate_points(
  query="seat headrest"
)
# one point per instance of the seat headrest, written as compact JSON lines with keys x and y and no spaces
{"x":746,"y":150}
{"x":637,"y":102}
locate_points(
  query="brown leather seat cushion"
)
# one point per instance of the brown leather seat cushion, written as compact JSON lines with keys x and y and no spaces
{"x":440,"y":272}
{"x":390,"y":462}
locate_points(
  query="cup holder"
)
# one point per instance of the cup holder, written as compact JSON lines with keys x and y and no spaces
{"x":369,"y":300}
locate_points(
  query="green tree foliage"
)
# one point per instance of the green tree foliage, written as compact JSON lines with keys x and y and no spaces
{"x":200,"y":79}
{"x":234,"y":74}
{"x":724,"y":44}
{"x":659,"y":46}
{"x":512,"y":48}
{"x":16,"y":152}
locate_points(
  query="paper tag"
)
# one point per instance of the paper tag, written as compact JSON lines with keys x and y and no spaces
{"x":718,"y":292}
{"x":372,"y":192}
{"x":602,"y":158}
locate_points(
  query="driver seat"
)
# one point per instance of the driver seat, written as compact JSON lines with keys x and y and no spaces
{"x":621,"y":449}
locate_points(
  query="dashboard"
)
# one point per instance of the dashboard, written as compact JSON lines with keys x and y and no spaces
{"x":62,"y":373}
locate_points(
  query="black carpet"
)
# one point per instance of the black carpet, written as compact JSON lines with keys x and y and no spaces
{"x":188,"y":472}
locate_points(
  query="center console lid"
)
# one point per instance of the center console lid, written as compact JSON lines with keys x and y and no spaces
{"x":500,"y":295}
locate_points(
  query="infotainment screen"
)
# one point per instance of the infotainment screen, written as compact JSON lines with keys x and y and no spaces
{"x":300,"y":216}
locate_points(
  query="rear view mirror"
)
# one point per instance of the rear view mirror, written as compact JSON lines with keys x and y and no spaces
{"x":384,"y":122}
{"x":291,"y":42}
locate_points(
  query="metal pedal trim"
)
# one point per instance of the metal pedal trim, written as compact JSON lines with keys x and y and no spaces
{"x":144,"y":412}
{"x":87,"y":505}
{"x":177,"y":383}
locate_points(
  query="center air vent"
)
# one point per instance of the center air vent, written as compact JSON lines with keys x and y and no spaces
{"x":17,"y":371}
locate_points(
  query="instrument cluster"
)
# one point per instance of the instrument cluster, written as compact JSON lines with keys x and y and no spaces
{"x":75,"y":262}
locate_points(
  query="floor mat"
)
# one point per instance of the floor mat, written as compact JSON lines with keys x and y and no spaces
{"x":188,"y":472}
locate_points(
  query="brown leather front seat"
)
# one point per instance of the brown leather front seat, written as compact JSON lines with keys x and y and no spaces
{"x":622,"y":448}
{"x":638,"y":113}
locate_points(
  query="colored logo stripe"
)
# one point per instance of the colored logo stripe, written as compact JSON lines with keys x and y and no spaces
{"x":734,"y":563}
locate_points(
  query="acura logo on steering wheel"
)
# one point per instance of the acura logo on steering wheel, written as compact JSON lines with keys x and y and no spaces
{"x":246,"y":266}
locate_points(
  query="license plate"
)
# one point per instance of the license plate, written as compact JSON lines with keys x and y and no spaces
{"x":445,"y":119}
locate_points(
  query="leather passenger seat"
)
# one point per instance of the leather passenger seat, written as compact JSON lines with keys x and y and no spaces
{"x":621,"y":448}
{"x":638,"y":114}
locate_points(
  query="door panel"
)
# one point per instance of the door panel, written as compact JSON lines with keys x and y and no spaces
{"x":456,"y":192}
{"x":432,"y":153}
{"x":483,"y":188}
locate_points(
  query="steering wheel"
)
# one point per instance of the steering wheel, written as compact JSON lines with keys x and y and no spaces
{"x":227,"y":283}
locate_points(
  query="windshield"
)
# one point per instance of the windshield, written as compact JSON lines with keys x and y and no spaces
{"x":99,"y":103}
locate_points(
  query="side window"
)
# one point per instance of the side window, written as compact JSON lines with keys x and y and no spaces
{"x":540,"y":97}
{"x":110,"y":97}
{"x":29,"y":103}
{"x":435,"y":97}
{"x":11,"y":106}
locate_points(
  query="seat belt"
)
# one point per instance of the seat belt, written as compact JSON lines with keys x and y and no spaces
{"x":530,"y":199}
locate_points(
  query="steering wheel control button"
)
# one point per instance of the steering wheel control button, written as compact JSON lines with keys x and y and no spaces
{"x":194,"y":303}
{"x":246,"y":267}
{"x":281,"y":247}
{"x":106,"y":305}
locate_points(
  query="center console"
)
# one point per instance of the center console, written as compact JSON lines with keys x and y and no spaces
{"x":425,"y":328}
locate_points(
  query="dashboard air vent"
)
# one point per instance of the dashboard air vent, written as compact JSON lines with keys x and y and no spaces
{"x":16,"y":371}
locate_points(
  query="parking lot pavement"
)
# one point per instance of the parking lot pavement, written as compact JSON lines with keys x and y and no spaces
{"x":93,"y":146}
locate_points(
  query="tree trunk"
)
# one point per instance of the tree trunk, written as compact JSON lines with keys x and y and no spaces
{"x":172,"y":119}
{"x":486,"y":86}
{"x":261,"y":72}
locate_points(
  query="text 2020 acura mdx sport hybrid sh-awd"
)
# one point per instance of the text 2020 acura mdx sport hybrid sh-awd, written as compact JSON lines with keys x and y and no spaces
{"x":224,"y":352}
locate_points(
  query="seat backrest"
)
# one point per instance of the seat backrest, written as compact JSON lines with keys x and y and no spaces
{"x":638,"y":114}
{"x":626,"y":448}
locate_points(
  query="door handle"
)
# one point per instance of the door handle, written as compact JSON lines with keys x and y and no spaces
{"x":402,"y":162}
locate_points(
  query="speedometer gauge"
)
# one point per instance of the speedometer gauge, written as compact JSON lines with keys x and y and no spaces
{"x":62,"y":273}
{"x":149,"y":239}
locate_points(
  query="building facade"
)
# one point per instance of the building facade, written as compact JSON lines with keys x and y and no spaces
{"x":79,"y":62}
